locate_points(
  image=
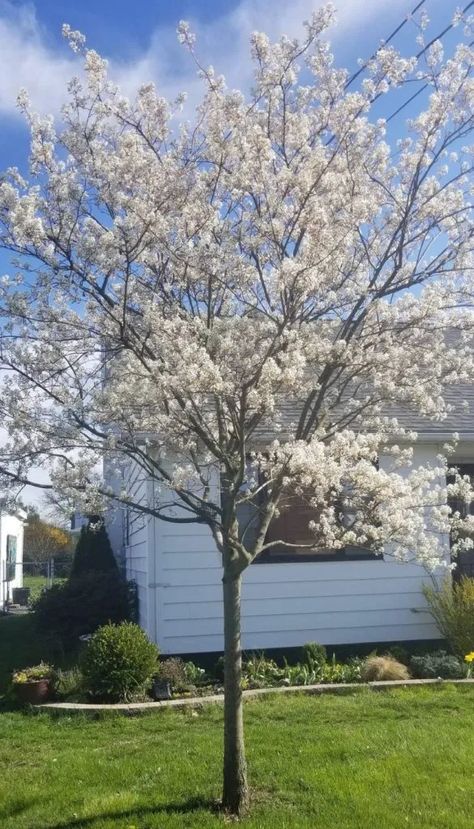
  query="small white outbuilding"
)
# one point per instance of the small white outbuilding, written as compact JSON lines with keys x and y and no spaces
{"x":11,"y":553}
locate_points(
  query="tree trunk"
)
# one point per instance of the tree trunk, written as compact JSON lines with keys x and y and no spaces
{"x":235,"y":793}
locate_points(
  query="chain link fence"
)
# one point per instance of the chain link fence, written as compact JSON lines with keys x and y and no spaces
{"x":23,"y":581}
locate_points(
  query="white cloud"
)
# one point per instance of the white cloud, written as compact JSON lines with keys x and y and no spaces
{"x":29,"y":59}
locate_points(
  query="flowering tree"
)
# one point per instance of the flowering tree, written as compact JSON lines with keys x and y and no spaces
{"x":178,"y":284}
{"x":43,"y":541}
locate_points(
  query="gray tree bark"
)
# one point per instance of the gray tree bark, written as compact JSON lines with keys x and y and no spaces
{"x":235,"y":795}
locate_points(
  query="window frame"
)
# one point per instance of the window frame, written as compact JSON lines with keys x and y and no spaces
{"x":296,"y":555}
{"x":11,"y":557}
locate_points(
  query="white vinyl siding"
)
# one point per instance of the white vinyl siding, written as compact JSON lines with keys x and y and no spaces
{"x":178,"y":573}
{"x":283,"y":604}
{"x":136,"y":544}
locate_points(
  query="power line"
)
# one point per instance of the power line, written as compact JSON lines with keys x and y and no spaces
{"x":418,"y":56}
{"x":439,"y":36}
{"x":442,"y":34}
{"x":384,"y":43}
{"x":415,"y":95}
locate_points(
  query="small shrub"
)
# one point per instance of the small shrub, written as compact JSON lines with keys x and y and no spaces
{"x":173,"y":670}
{"x":70,"y":685}
{"x":119,"y":662}
{"x":452,"y":608}
{"x":383,"y":669}
{"x":438,"y":664}
{"x":314,"y":654}
{"x":79,"y":606}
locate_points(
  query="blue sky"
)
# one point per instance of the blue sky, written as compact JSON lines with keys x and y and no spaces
{"x":139,"y":40}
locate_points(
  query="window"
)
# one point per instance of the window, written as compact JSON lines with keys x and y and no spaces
{"x":11,"y":558}
{"x":292,"y":526}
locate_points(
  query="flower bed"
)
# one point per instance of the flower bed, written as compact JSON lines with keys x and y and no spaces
{"x":120,"y":665}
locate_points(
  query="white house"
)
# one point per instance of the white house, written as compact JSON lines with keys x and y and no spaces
{"x":11,"y":554}
{"x":287,"y":600}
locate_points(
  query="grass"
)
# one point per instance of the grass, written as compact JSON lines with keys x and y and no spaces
{"x":37,"y":584}
{"x":391,"y":759}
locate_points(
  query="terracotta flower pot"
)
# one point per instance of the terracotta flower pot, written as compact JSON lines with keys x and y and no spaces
{"x":34,"y":692}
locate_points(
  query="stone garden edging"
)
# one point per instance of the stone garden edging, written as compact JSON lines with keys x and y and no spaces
{"x":199,"y":702}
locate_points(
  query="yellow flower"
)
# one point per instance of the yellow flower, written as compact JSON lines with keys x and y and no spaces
{"x":469,"y":657}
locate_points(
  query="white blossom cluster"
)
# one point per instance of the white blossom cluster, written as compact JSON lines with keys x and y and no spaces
{"x":276,"y":269}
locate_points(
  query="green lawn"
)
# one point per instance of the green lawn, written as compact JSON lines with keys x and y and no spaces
{"x":367,"y":761}
{"x":37,"y":584}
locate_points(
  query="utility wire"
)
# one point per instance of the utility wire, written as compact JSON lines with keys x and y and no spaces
{"x":418,"y":56}
{"x":415,"y":95}
{"x":442,"y":34}
{"x":439,"y":36}
{"x":384,"y":43}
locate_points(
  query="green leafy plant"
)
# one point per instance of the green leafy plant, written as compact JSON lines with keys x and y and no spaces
{"x":314,"y":654}
{"x":70,"y":685}
{"x":469,"y":663}
{"x":79,"y":606}
{"x":438,"y":664}
{"x":119,"y":662}
{"x":452,"y":607}
{"x":338,"y":672}
{"x":383,"y":669}
{"x":300,"y":674}
{"x":260,"y":672}
{"x":34,"y":673}
{"x":194,"y":674}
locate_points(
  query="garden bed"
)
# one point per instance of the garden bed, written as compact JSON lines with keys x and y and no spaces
{"x":199,"y":701}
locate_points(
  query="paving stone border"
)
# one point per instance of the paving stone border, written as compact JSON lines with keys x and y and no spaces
{"x":199,"y":702}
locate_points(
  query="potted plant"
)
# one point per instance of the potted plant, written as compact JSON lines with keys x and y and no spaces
{"x":33,"y":685}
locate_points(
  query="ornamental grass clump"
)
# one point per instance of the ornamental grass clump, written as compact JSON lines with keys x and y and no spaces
{"x":383,"y":669}
{"x":452,"y":607}
{"x":119,"y":663}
